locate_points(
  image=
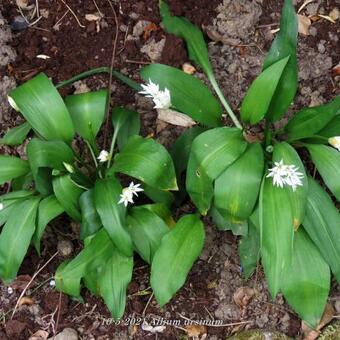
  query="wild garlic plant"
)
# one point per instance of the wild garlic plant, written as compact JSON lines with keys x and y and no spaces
{"x":102,"y":192}
{"x":262,"y":187}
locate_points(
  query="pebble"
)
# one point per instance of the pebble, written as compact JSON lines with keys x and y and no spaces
{"x":65,"y":248}
{"x":66,"y":334}
{"x":19,"y":23}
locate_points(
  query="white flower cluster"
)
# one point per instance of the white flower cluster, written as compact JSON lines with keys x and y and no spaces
{"x":103,"y":156}
{"x":283,"y":174}
{"x":335,"y":142}
{"x":127,"y":194}
{"x":161,"y":99}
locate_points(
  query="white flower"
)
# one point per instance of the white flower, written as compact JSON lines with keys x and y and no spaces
{"x":103,"y":156}
{"x":126,"y":196}
{"x":135,"y":188}
{"x":2,"y":206}
{"x":335,"y":141}
{"x":13,"y":103}
{"x":286,"y":175}
{"x":161,"y":99}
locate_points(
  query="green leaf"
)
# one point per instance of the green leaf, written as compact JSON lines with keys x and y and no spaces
{"x":90,"y":220}
{"x":16,"y":135}
{"x":297,"y":198}
{"x":148,"y":161}
{"x":332,"y":129}
{"x":180,"y":151}
{"x":113,"y":282}
{"x":106,"y":196}
{"x":67,"y":194}
{"x":94,"y":255}
{"x":277,"y":233}
{"x":211,"y":153}
{"x":249,"y":250}
{"x":310,"y":120}
{"x":306,"y":282}
{"x":322,"y":223}
{"x":44,"y":109}
{"x":192,"y":35}
{"x":174,"y":258}
{"x":237,"y":188}
{"x":257,"y":101}
{"x":24,"y":182}
{"x":159,"y":196}
{"x":44,"y":156}
{"x":9,"y":202}
{"x":12,"y":167}
{"x":49,"y":209}
{"x":283,"y":46}
{"x":146,"y":229}
{"x":16,"y":236}
{"x":87,"y":111}
{"x":126,"y":124}
{"x":162,"y":211}
{"x":327,"y":161}
{"x":188,"y":94}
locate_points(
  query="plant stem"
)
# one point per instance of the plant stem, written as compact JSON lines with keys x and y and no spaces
{"x":126,"y":80}
{"x":94,"y":158}
{"x":267,"y":134}
{"x":113,"y":143}
{"x":224,"y":102}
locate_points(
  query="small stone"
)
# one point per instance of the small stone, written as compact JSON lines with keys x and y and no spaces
{"x":66,"y":334}
{"x":153,"y":49}
{"x":19,"y":23}
{"x":52,"y":283}
{"x":139,"y":28}
{"x":321,"y":47}
{"x":65,"y":248}
{"x":10,"y":290}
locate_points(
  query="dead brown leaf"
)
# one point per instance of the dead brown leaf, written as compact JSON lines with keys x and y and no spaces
{"x":21,"y":282}
{"x":175,"y":118}
{"x":26,"y":301}
{"x":243,"y":296}
{"x":39,"y":335}
{"x":304,"y":24}
{"x":188,"y":68}
{"x":194,"y":331}
{"x":152,"y":27}
{"x":336,"y":70}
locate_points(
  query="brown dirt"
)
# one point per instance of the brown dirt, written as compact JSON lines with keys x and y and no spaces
{"x":217,"y":275}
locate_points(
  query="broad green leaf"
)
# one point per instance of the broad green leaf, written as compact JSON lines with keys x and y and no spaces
{"x":180,"y":151}
{"x":24,"y":182}
{"x":44,"y":109}
{"x":67,"y":194}
{"x":306,"y":282}
{"x":148,"y":161}
{"x":12,"y":167}
{"x":198,"y":185}
{"x":322,"y":223}
{"x":44,"y":156}
{"x":162,"y":211}
{"x":174,"y":258}
{"x":112,"y":214}
{"x":249,"y":250}
{"x":237,"y":188}
{"x":87,"y":111}
{"x":9,"y":201}
{"x":327,"y":161}
{"x":90,"y":220}
{"x":113,"y":282}
{"x":146,"y":229}
{"x":211,"y":153}
{"x":257,"y":101}
{"x":188,"y":94}
{"x":277,"y":233}
{"x":297,"y":198}
{"x":159,"y":196}
{"x":227,"y":222}
{"x":49,"y":208}
{"x":283,"y":46}
{"x":16,"y":236}
{"x":332,"y":129}
{"x":126,"y":124}
{"x":192,"y":35}
{"x":16,"y":135}
{"x":94,"y":255}
{"x":310,"y":120}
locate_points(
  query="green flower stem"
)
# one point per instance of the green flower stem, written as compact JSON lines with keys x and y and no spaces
{"x":113,"y":143}
{"x":126,"y":80}
{"x":224,"y":102}
{"x":267,"y":134}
